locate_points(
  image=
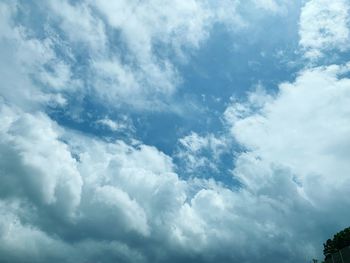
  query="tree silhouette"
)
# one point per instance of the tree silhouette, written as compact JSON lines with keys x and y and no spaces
{"x":340,"y":240}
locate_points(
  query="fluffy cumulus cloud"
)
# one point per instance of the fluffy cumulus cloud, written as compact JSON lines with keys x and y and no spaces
{"x":297,"y":149}
{"x":324,"y":26}
{"x":71,"y":195}
{"x":32,"y":153}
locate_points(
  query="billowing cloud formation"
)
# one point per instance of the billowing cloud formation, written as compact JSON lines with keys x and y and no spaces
{"x":297,"y":144}
{"x":35,"y":163}
{"x":69,"y":196}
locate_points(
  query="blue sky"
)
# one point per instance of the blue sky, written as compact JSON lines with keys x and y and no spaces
{"x":173,"y":131}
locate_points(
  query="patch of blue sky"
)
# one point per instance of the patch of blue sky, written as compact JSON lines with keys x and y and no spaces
{"x":334,"y":57}
{"x":219,"y":71}
{"x":30,"y":14}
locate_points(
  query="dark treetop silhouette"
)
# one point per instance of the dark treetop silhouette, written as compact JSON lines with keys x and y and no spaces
{"x":340,"y":240}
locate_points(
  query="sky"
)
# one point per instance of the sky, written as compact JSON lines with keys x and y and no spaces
{"x":156,"y":131}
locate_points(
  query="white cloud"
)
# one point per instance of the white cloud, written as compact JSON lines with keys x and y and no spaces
{"x":30,"y":70}
{"x":36,"y":162}
{"x":297,"y":149}
{"x":143,"y":88}
{"x":255,"y":101}
{"x":81,"y":25}
{"x":324,"y":26}
{"x":122,"y":124}
{"x":143,"y":24}
{"x":306,"y":122}
{"x":119,"y":205}
{"x":197,"y":151}
{"x":145,"y":28}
